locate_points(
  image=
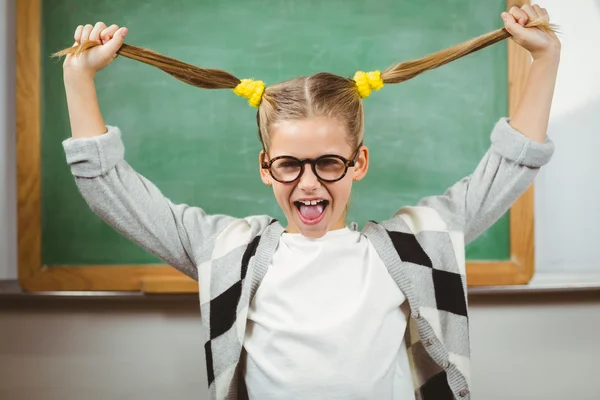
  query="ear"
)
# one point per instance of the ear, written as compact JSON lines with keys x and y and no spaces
{"x":264,"y":173}
{"x":362,"y":164}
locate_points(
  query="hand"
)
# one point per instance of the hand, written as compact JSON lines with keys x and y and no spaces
{"x":538,"y":42}
{"x":93,"y":60}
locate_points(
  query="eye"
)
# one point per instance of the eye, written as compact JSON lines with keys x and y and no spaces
{"x":286,"y":163}
{"x":330,"y":163}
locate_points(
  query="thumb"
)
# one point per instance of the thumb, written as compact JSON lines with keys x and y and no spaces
{"x":511,"y":25}
{"x":115,"y":43}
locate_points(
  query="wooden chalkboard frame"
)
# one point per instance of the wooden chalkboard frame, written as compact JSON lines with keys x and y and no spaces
{"x":34,"y":276}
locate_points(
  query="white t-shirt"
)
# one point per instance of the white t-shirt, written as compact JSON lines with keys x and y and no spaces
{"x":326,"y":323}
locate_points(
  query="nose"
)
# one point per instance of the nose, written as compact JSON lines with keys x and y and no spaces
{"x":308,"y":181}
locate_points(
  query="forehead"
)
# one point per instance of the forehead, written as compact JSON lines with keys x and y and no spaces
{"x":308,"y":137}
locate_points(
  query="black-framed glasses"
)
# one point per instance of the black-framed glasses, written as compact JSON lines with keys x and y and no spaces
{"x":328,"y":168}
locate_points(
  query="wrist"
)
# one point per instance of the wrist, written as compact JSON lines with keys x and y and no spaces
{"x":551,"y":54}
{"x":72,"y":75}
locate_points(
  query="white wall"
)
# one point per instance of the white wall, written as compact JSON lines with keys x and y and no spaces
{"x":91,"y":350}
{"x":534,"y":347}
{"x":8,"y":203}
{"x":542,"y":347}
{"x":568,"y":188}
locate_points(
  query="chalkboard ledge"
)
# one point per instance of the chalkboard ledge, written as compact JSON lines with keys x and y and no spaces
{"x":541,"y":283}
{"x":11,"y":289}
{"x":546,"y":283}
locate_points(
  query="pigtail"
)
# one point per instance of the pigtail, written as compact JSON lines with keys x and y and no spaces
{"x":200,"y":77}
{"x":407,"y":70}
{"x":204,"y":78}
{"x":365,"y":82}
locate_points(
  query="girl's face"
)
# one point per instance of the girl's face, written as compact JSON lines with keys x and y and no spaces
{"x":312,"y":205}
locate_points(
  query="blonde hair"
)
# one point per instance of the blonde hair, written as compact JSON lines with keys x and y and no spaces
{"x":322,"y":94}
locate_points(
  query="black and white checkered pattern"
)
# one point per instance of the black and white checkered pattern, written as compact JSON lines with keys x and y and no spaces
{"x":437,"y":335}
{"x":428,"y":274}
{"x":230,"y":281}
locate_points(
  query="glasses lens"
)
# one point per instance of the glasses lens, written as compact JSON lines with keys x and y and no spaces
{"x":330,"y":168}
{"x":285,"y":169}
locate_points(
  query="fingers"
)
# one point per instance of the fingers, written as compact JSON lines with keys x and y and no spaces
{"x":512,"y":25}
{"x":99,"y":32}
{"x":541,"y":12}
{"x":108,"y":33}
{"x":85,"y":33}
{"x":95,"y":33}
{"x":531,"y":13}
{"x":115,"y":43}
{"x":77,"y":35}
{"x":519,"y":15}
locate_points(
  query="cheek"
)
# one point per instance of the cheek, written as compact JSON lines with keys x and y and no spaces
{"x":341,"y":191}
{"x":282,"y":194}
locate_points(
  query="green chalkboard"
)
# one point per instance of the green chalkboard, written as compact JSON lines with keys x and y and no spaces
{"x":424,"y":134}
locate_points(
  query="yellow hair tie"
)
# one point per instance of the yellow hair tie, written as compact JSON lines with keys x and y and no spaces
{"x":252,"y":90}
{"x":365,"y":81}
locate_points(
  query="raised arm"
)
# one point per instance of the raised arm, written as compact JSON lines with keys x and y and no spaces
{"x":519,"y":145}
{"x":180,"y":235}
{"x":79,"y":73}
{"x":533,"y":110}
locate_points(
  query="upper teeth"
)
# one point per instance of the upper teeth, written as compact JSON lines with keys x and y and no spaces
{"x":310,"y":202}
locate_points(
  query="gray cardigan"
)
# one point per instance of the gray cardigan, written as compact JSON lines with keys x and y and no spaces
{"x":422,"y":247}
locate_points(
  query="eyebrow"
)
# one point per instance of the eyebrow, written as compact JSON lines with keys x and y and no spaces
{"x":350,"y":157}
{"x":268,"y":157}
{"x":337,"y":153}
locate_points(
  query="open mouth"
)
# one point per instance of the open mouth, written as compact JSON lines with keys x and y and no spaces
{"x":311,"y":212}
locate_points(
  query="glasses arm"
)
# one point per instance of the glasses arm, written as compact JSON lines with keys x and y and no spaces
{"x":352,"y":161}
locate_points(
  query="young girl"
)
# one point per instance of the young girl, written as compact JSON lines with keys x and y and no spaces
{"x":340,"y":314}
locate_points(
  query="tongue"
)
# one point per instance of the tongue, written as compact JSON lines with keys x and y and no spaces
{"x":311,"y":212}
